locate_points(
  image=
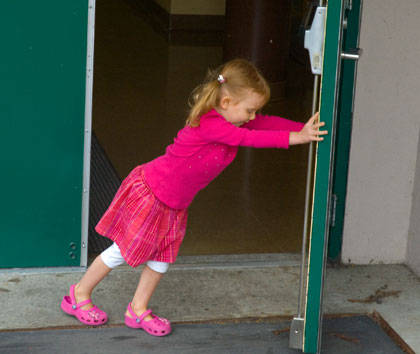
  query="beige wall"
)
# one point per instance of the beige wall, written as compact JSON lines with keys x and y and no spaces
{"x":413,"y":245}
{"x":193,"y":7}
{"x":385,"y":139}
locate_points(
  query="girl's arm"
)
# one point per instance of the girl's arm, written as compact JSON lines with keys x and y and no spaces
{"x":217,"y":130}
{"x":264,"y":122}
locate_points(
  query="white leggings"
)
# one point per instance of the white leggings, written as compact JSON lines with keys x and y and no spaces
{"x":112,"y":258}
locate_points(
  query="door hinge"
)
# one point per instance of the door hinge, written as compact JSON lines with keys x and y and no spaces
{"x":333,"y":210}
{"x":296,"y":333}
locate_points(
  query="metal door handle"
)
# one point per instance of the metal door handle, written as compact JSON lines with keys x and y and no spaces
{"x":352,"y":55}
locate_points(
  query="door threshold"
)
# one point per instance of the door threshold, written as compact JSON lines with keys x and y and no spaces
{"x":230,"y":261}
{"x":224,"y":261}
{"x":238,"y":261}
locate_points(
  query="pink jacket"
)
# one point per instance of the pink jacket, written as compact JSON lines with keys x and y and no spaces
{"x":200,"y":154}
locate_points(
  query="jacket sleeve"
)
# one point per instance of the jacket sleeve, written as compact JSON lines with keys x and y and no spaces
{"x":265,"y":122}
{"x":218,"y":130}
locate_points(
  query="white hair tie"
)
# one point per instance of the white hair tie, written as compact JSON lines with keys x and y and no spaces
{"x":221,"y":79}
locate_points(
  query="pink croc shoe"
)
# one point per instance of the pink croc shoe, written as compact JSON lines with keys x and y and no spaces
{"x":156,"y":327}
{"x":91,"y":317}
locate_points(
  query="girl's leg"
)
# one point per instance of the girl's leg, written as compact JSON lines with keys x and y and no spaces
{"x":97,"y":271}
{"x":149,"y":280}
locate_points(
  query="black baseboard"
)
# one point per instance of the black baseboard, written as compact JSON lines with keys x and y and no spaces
{"x":196,"y":23}
{"x":171,"y":22}
{"x":193,"y":30}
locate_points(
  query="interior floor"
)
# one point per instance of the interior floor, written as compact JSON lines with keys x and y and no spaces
{"x":142,"y":82}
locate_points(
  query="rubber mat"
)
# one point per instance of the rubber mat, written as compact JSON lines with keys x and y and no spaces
{"x":348,"y":335}
{"x":104,"y":183}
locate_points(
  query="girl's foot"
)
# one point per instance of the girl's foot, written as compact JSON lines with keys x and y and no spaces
{"x":80,"y":297}
{"x":92,"y":316}
{"x":137,"y":312}
{"x":156,"y":326}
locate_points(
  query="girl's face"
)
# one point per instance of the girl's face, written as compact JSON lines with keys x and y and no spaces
{"x":239,"y":112}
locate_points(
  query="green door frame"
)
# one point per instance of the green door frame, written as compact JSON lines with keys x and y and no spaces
{"x":325,"y":166}
{"x":344,"y":128}
{"x":323,"y":174}
{"x":45,"y":131}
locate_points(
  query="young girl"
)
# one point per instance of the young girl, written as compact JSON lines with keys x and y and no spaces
{"x":148,"y":216}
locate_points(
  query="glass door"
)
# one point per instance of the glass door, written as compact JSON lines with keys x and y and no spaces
{"x":325,"y":42}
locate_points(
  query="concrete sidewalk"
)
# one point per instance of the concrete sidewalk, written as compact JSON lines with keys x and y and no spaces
{"x":214,"y":288}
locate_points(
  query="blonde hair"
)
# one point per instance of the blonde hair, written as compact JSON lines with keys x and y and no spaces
{"x":239,"y":78}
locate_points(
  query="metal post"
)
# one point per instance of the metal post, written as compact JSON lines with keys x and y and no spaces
{"x":296,"y":328}
{"x":307,"y":200}
{"x":88,"y":133}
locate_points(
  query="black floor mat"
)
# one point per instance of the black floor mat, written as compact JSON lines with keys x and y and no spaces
{"x":348,"y":335}
{"x":104,"y":183}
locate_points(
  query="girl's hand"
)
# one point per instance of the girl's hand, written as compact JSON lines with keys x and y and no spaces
{"x":310,"y":132}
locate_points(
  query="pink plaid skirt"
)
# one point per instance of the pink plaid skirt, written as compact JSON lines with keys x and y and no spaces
{"x":141,"y":225}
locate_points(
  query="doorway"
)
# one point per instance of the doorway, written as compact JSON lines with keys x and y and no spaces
{"x":142,"y":81}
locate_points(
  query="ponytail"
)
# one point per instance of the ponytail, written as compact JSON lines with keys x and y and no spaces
{"x":239,"y":76}
{"x":203,"y":99}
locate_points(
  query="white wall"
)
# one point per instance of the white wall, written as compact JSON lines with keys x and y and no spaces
{"x":385,"y":138}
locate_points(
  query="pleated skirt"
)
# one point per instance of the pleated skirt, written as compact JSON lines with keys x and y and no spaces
{"x":141,"y":225}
